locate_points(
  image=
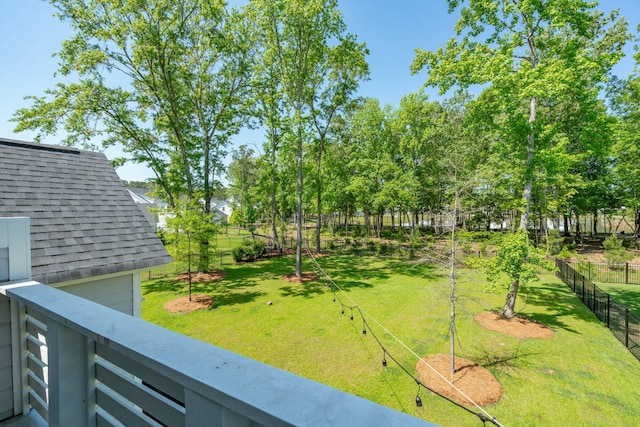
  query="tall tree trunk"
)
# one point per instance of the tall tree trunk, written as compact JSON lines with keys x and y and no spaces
{"x":274,"y":227}
{"x":319,"y":195}
{"x":510,"y":303}
{"x":636,"y":231}
{"x":526,"y":194}
{"x":299,"y":207}
{"x":318,"y":221}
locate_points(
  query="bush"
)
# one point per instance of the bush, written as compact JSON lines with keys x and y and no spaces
{"x":614,"y":252}
{"x":553,"y":241}
{"x":382,"y":248}
{"x":249,"y":250}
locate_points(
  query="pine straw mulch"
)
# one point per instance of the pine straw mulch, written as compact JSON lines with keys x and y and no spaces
{"x":183,"y":305}
{"x":469,"y":377}
{"x":305,"y":277}
{"x":518,"y":326}
{"x":198,"y":301}
{"x":202,"y":276}
{"x":472,"y":379}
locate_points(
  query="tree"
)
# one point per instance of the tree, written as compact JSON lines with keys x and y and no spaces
{"x":166,"y":79}
{"x":345,"y":67}
{"x":296,"y":37}
{"x":626,"y":107}
{"x":518,"y":260}
{"x":526,"y":52}
{"x":186,"y":228}
{"x":243,"y":176}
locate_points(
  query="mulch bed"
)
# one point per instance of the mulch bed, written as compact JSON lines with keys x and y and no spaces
{"x":183,"y":305}
{"x":469,"y":377}
{"x":518,"y":326}
{"x":305,"y":277}
{"x":206,"y":276}
{"x":472,"y":379}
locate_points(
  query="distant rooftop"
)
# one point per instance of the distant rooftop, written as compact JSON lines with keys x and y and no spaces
{"x":83,"y":220}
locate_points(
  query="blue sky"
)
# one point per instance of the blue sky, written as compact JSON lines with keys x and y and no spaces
{"x":30,"y":35}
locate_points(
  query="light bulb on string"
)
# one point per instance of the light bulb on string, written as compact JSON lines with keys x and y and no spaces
{"x":418,"y":399}
{"x":384,"y":359}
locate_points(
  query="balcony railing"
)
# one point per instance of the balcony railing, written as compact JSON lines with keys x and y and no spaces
{"x":78,"y":363}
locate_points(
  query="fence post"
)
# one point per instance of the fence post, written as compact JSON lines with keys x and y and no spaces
{"x":626,"y":327}
{"x":608,"y":310}
{"x":626,"y":273}
{"x":583,"y":290}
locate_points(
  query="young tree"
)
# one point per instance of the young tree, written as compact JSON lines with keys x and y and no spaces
{"x":166,"y":79}
{"x":518,"y":260}
{"x":186,"y":228}
{"x":527,"y":52}
{"x":296,"y":37}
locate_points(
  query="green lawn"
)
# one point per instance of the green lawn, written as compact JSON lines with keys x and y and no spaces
{"x":583,"y":376}
{"x":627,"y":295}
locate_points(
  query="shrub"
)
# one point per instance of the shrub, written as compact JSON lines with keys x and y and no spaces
{"x":614,"y":252}
{"x":381,"y":248}
{"x":249,"y":250}
{"x":553,"y":241}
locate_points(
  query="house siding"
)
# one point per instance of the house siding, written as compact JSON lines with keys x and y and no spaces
{"x":114,"y":292}
{"x":6,"y":368}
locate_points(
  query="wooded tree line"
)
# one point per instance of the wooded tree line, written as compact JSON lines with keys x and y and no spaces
{"x":531,"y":123}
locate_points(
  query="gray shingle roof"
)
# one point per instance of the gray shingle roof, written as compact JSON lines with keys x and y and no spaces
{"x":83,"y":221}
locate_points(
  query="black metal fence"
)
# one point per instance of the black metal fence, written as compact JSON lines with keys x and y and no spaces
{"x":623,"y":324}
{"x":605,"y":272}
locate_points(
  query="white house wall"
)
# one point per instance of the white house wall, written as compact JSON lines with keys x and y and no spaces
{"x":120,"y":293}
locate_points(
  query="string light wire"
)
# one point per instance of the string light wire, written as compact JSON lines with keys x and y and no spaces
{"x":483,"y":415}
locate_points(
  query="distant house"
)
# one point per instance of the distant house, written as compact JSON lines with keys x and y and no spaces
{"x":88,"y":237}
{"x":221,"y":209}
{"x":146,"y":204}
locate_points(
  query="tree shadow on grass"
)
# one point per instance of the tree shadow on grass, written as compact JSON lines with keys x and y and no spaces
{"x":369,"y":267}
{"x":501,"y":359}
{"x":630,"y":298}
{"x":233,"y":298}
{"x":559,"y":302}
{"x":223,"y":291}
{"x":163,"y":285}
{"x":305,"y":290}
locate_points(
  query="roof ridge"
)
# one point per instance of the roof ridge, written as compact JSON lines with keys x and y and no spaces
{"x":38,"y":146}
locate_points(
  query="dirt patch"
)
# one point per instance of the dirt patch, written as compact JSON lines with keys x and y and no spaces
{"x":183,"y":305}
{"x":518,"y":326}
{"x":305,"y":277}
{"x":207,"y":276}
{"x":472,"y":379}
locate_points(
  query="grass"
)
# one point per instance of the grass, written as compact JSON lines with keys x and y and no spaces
{"x":583,"y":376}
{"x":627,"y":295}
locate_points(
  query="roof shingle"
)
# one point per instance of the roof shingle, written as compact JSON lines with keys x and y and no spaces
{"x":83,"y":220}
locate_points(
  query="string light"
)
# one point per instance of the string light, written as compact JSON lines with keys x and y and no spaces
{"x":418,"y":400}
